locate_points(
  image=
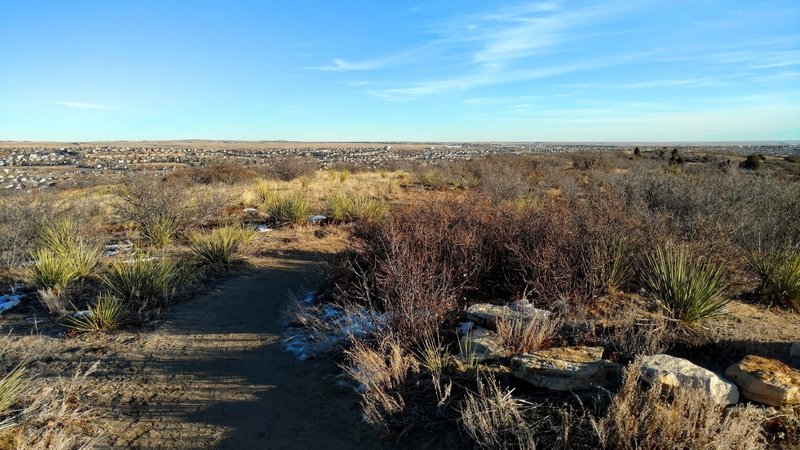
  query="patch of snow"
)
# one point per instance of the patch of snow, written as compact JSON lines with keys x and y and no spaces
{"x":319,"y":218}
{"x":8,"y":302}
{"x":263,"y":228}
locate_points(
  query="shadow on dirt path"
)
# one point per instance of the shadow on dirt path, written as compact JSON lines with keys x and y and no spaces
{"x":216,"y":375}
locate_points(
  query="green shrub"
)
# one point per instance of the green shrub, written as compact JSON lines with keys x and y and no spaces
{"x":779,"y":273}
{"x":221,"y":246}
{"x":51,"y":271}
{"x":294,"y":208}
{"x":337,"y":206}
{"x":144,"y":281}
{"x":158,"y":231}
{"x":106,"y":314}
{"x":367,"y":209}
{"x":689,"y":290}
{"x":753,"y":162}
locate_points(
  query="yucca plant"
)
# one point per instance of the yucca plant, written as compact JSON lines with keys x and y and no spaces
{"x":63,"y":239}
{"x":159,"y":232}
{"x":60,"y":237}
{"x":779,"y":273}
{"x":367,"y":209}
{"x":343,"y":176}
{"x":221,"y":246}
{"x":689,"y":290}
{"x":106,"y":314}
{"x":294,"y":208}
{"x":337,"y":206}
{"x":51,"y":271}
{"x":12,"y":387}
{"x":143,"y":281}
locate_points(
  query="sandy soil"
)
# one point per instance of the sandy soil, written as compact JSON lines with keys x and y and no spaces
{"x":215,"y":374}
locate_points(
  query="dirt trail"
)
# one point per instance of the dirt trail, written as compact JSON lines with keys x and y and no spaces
{"x":215,"y":374}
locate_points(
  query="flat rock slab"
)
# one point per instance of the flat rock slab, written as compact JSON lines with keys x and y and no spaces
{"x":677,"y":373}
{"x":794,"y":354}
{"x":485,"y":344}
{"x":766,"y":381}
{"x":567,"y":369}
{"x":487,"y":315}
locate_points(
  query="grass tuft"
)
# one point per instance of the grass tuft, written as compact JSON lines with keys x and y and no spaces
{"x":367,"y":209}
{"x":51,"y":271}
{"x":337,"y":206}
{"x":221,"y":246}
{"x":294,"y":208}
{"x":159,"y":231}
{"x":688,"y":290}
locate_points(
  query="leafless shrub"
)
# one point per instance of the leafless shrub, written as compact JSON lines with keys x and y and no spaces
{"x":154,"y":205}
{"x":494,"y":419}
{"x":502,"y":178}
{"x":639,"y":419}
{"x":287,"y":168}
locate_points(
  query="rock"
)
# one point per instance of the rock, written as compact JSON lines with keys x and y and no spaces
{"x":485,"y":343}
{"x":567,"y":369}
{"x":487,"y":315}
{"x":767,"y":381}
{"x":679,"y":373}
{"x":794,"y":354}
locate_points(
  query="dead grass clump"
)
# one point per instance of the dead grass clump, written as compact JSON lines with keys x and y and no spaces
{"x":639,"y":419}
{"x":56,"y":417}
{"x":521,"y":336}
{"x":494,"y":419}
{"x":381,"y":373}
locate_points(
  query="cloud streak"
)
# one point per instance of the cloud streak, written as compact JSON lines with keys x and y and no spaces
{"x":84,"y":105}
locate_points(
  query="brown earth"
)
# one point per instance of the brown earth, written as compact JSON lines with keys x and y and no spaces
{"x":215,"y":374}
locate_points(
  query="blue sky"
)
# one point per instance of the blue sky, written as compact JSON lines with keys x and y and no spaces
{"x":639,"y":70}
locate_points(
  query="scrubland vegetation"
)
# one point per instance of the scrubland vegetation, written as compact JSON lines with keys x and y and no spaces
{"x":637,"y":253}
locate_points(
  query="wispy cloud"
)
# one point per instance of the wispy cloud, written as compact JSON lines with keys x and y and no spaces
{"x":84,"y":105}
{"x":340,"y":65}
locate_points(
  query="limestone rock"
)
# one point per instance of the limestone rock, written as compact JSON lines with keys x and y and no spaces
{"x":566,"y":369}
{"x":487,"y":315}
{"x":794,"y":354}
{"x":485,"y":343}
{"x":766,"y":381}
{"x":678,"y":372}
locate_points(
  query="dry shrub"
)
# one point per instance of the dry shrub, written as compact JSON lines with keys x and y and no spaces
{"x":420,"y":262}
{"x":494,"y":419}
{"x":644,"y":419}
{"x":503,"y":177}
{"x":221,"y":172}
{"x":287,"y":168}
{"x":164,"y":210}
{"x":521,"y":336}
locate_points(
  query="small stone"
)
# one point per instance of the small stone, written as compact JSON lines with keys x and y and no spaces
{"x":567,"y":369}
{"x":487,"y":315}
{"x":485,"y":344}
{"x":679,"y":373}
{"x":766,"y":381}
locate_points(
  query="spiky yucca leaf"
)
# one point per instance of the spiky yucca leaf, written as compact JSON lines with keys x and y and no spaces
{"x":367,"y":209}
{"x":12,"y":387}
{"x":337,"y":206}
{"x":106,"y":314}
{"x":159,"y":232}
{"x":144,"y":281}
{"x":689,"y":290}
{"x":294,"y":208}
{"x":51,"y":271}
{"x":779,"y":273}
